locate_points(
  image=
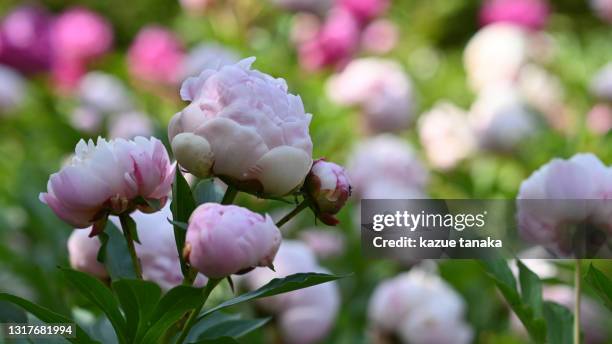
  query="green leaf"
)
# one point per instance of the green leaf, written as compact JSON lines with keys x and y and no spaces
{"x":182,"y":206}
{"x":138,"y":300}
{"x":207,"y":191}
{"x":601,"y":284}
{"x":531,"y":288}
{"x":559,"y":322}
{"x":170,"y":309}
{"x":501,"y":274}
{"x":102,"y":297}
{"x":128,"y":221}
{"x":10,"y":313}
{"x":47,"y":316}
{"x":234,"y":328}
{"x":114,"y":253}
{"x":220,"y":340}
{"x":279,"y":286}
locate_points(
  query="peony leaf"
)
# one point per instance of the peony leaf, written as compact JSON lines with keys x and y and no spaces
{"x":279,"y":286}
{"x":601,"y":284}
{"x":206,"y":191}
{"x":114,"y":253}
{"x":138,"y":300}
{"x":234,"y":328}
{"x":101,"y":296}
{"x":48,"y":316}
{"x":182,"y":206}
{"x":559,"y":322}
{"x":531,"y":288}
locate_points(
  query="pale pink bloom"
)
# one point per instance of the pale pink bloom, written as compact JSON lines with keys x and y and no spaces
{"x":104,"y":93}
{"x":542,"y":90}
{"x":304,"y":28}
{"x":603,"y":9}
{"x":574,"y":191}
{"x":500,"y":118}
{"x":66,"y":74}
{"x":446,"y":135}
{"x":420,"y":308}
{"x":495,"y":54}
{"x":244,"y":127}
{"x":156,"y":252}
{"x":225,"y":239}
{"x":334,"y":43}
{"x":12,"y":89}
{"x":599,"y":119}
{"x":380,"y":36}
{"x":381,"y":89}
{"x":80,"y":34}
{"x":365,"y":10}
{"x":601,"y":85}
{"x":207,"y":56}
{"x":328,"y":187}
{"x":324,"y":242}
{"x":531,"y":14}
{"x":109,"y":177}
{"x":130,"y":124}
{"x":304,"y":316}
{"x":86,"y":119}
{"x":196,"y":6}
{"x":388,"y":160}
{"x":83,"y":253}
{"x":156,"y":56}
{"x":319,"y":7}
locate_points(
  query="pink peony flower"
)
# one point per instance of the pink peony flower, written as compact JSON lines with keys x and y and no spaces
{"x":223,"y":240}
{"x":386,"y":160}
{"x":83,"y":254}
{"x":328,"y":187}
{"x":446,"y":135}
{"x":156,"y":56}
{"x":495,"y":54}
{"x":244,"y":127}
{"x":304,"y":316}
{"x":25,"y":39}
{"x":86,"y":119}
{"x":334,"y":43}
{"x":380,"y":88}
{"x":380,"y":36}
{"x":420,"y":308}
{"x":324,"y":242}
{"x":79,"y":34}
{"x":104,"y":93}
{"x":130,"y":124}
{"x":109,"y":177}
{"x":12,"y":89}
{"x":599,"y":119}
{"x":574,"y":192}
{"x":531,"y":14}
{"x":365,"y":10}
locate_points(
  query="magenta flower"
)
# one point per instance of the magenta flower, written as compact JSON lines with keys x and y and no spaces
{"x":365,"y":10}
{"x":80,"y":35}
{"x":155,"y":56}
{"x":531,"y":14}
{"x":328,"y":187}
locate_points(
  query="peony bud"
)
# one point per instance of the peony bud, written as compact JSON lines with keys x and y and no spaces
{"x":156,"y":56}
{"x":328,"y":187}
{"x":223,"y":240}
{"x":244,"y":127}
{"x":109,"y":177}
{"x":531,"y":14}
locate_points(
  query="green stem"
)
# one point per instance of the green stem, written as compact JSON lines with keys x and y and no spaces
{"x":294,"y":212}
{"x":127,"y":234}
{"x":193,"y":317}
{"x":577,"y":291}
{"x":190,"y":277}
{"x":230,"y":195}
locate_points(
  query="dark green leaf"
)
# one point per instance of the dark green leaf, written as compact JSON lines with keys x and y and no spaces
{"x":559,"y":322}
{"x":279,"y":286}
{"x":128,"y":222}
{"x":181,"y":225}
{"x":10,"y":313}
{"x":138,"y":300}
{"x":531,"y":288}
{"x":170,"y":309}
{"x":207,"y":191}
{"x":234,"y":328}
{"x":101,"y":296}
{"x":601,"y":284}
{"x":114,"y":253}
{"x":182,"y":206}
{"x":47,"y":316}
{"x":221,"y":340}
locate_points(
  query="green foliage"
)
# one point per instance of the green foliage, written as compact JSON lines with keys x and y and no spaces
{"x":601,"y":284}
{"x":182,"y":206}
{"x":114,"y":253}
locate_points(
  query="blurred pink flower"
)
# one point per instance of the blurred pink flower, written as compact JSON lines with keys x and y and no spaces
{"x":599,"y":119}
{"x":109,"y":178}
{"x":385,"y":160}
{"x":531,"y":14}
{"x":495,"y":54}
{"x":104,"y":93}
{"x":207,"y":56}
{"x":130,"y":124}
{"x":601,"y":85}
{"x":333,"y":45}
{"x":584,"y":180}
{"x":156,"y":56}
{"x":543,"y":91}
{"x":83,"y":254}
{"x":86,"y":119}
{"x":79,"y":34}
{"x":380,"y":36}
{"x":603,"y":9}
{"x":446,"y":135}
{"x":243,"y":126}
{"x":25,"y":39}
{"x":304,"y":316}
{"x":225,"y":239}
{"x":420,"y":308}
{"x":365,"y":10}
{"x":319,"y":7}
{"x":324,"y":242}
{"x":328,"y":187}
{"x":382,"y":90}
{"x":12,"y":89}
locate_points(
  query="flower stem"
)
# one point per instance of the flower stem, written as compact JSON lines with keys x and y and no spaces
{"x":577,"y":291}
{"x":193,"y":317}
{"x":294,"y":212}
{"x":190,"y":277}
{"x":126,"y":226}
{"x":230,"y":195}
